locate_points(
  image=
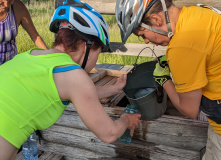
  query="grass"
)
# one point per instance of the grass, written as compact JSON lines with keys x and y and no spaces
{"x":41,"y":13}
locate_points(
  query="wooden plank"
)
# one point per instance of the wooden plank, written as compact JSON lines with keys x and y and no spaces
{"x":45,"y":155}
{"x":133,"y":49}
{"x":126,"y":68}
{"x":65,"y":149}
{"x":51,"y":156}
{"x":115,"y":67}
{"x":76,"y":139}
{"x":108,"y":6}
{"x":104,"y":81}
{"x":98,"y":75}
{"x":167,"y":130}
{"x":102,"y":65}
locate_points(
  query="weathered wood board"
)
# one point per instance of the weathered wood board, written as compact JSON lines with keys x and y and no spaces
{"x":133,"y":49}
{"x":108,"y":6}
{"x":169,"y":137}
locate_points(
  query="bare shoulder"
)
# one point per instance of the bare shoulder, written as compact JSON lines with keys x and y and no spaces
{"x":72,"y":83}
{"x":77,"y":77}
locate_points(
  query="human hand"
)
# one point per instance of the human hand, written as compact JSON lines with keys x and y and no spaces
{"x":161,"y":74}
{"x":133,"y":121}
{"x":121,"y":83}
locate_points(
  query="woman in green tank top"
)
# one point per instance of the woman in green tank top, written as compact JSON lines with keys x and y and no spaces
{"x":34,"y":94}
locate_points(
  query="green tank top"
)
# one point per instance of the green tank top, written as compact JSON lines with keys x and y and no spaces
{"x":32,"y":98}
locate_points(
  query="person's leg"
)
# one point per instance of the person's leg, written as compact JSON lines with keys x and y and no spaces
{"x":209,"y":154}
{"x":7,"y":150}
{"x":216,"y":142}
{"x":213,"y":146}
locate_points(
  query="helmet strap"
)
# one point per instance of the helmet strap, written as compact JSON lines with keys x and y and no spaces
{"x":154,"y":29}
{"x":88,"y":43}
{"x":170,"y":33}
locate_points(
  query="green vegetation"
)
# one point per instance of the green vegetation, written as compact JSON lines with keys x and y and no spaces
{"x":41,"y":12}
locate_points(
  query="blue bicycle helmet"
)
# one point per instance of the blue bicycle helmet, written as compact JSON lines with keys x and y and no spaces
{"x":86,"y":21}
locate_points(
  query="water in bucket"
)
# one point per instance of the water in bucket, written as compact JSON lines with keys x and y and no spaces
{"x":143,"y":92}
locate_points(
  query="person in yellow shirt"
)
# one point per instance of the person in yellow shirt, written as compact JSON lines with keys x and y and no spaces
{"x":193,"y":37}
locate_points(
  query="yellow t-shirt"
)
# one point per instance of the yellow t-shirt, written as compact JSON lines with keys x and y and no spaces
{"x":194,"y":53}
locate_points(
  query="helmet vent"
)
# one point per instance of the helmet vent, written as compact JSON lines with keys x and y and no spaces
{"x":80,"y":20}
{"x":102,"y":19}
{"x":104,"y":31}
{"x":120,"y":17}
{"x":62,"y":12}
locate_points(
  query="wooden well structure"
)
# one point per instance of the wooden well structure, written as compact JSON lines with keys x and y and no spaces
{"x":170,"y":137}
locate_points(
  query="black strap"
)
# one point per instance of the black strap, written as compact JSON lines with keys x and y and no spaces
{"x":38,"y":133}
{"x":211,"y":108}
{"x":89,"y":43}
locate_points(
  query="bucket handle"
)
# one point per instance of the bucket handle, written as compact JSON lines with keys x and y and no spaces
{"x":135,"y":64}
{"x":159,"y":89}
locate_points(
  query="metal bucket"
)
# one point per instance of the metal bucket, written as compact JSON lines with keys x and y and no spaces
{"x":152,"y":105}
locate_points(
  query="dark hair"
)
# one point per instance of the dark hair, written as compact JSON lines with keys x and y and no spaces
{"x":71,"y":40}
{"x":156,"y":8}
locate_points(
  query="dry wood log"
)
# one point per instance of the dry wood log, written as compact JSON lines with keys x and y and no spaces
{"x":76,"y":153}
{"x":167,"y":130}
{"x":78,"y":139}
{"x":126,"y":68}
{"x":50,"y":156}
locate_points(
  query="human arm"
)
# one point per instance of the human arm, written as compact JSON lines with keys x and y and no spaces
{"x":23,"y":17}
{"x":187,"y":103}
{"x":79,"y":88}
{"x":111,"y":90}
